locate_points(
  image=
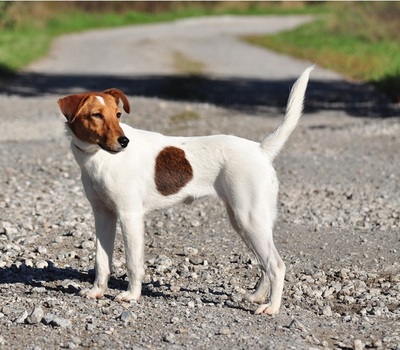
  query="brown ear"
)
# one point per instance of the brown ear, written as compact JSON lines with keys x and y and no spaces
{"x":69,"y":105}
{"x":118,"y":94}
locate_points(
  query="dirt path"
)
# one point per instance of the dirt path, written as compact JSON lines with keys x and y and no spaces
{"x":338,"y":229}
{"x":162,"y":49}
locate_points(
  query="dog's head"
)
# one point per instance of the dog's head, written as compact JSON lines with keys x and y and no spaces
{"x":94,"y":118}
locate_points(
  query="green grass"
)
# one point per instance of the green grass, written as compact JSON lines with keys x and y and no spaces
{"x":186,"y":65}
{"x":362,"y":42}
{"x":18,"y":49}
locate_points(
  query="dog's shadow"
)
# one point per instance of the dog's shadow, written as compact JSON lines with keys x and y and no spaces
{"x":68,"y":280}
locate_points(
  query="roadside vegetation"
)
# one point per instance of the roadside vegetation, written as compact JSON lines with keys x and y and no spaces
{"x":361,"y":40}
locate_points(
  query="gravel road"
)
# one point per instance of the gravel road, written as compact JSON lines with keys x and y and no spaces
{"x":339,"y":205}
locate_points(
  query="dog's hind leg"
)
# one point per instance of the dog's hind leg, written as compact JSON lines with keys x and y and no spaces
{"x":273,"y":266}
{"x":256,"y":231}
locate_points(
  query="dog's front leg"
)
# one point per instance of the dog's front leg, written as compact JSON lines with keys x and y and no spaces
{"x":133,"y":235}
{"x":105,"y":223}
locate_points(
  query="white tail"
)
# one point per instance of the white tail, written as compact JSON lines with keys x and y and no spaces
{"x":274,"y":142}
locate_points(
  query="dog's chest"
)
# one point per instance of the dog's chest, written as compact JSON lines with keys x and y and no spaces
{"x":101,"y":177}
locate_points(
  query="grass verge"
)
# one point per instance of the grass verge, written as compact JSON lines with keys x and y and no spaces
{"x":360,"y":41}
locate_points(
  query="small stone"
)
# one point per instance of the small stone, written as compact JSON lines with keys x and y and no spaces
{"x":38,"y":290}
{"x":237,"y":298}
{"x":377,"y":343}
{"x":71,"y":345}
{"x":174,"y":289}
{"x":127,"y":316}
{"x":47,"y":319}
{"x":153,"y":244}
{"x":58,"y":239}
{"x":358,"y":345}
{"x":42,"y":264}
{"x":190,"y":251}
{"x":181,"y":331}
{"x":29,"y":263}
{"x":41,"y":250}
{"x":162,"y":263}
{"x":21,"y":317}
{"x":87,"y":245}
{"x":36,"y":315}
{"x":56,"y":321}
{"x":327,"y":311}
{"x":195,"y":223}
{"x":295,"y":324}
{"x":71,"y":255}
{"x":169,"y":338}
{"x":224,"y":331}
{"x":61,"y":322}
{"x":328,"y":292}
{"x":90,"y":327}
{"x":376,"y":311}
{"x":174,"y":320}
{"x":196,"y":260}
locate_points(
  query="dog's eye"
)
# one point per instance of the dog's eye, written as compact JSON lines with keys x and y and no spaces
{"x":97,"y":115}
{"x":119,"y":115}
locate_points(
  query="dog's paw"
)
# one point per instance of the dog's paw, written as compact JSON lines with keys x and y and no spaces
{"x":127,"y":296}
{"x":93,"y":293}
{"x":255,"y":297}
{"x":267,"y":309}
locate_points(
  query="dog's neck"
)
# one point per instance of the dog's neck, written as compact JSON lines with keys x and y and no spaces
{"x":80,"y":145}
{"x":77,"y":147}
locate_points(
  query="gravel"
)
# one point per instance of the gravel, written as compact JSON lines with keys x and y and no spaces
{"x":338,"y":232}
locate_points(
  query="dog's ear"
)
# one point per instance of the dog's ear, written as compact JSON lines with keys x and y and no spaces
{"x":118,"y":94}
{"x":69,"y":105}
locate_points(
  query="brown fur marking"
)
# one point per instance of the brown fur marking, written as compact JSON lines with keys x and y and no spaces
{"x":172,"y":171}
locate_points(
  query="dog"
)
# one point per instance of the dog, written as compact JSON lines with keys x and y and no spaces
{"x":128,"y":172}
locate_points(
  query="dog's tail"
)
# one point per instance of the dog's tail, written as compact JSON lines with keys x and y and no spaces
{"x":274,"y":142}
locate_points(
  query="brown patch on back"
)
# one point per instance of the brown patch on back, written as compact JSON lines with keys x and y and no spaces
{"x":172,"y":171}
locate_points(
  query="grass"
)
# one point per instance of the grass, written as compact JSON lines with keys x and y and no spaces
{"x":186,"y":65}
{"x":360,"y":41}
{"x":185,"y":116}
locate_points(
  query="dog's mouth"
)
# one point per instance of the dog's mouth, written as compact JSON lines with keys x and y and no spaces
{"x":109,"y":149}
{"x":113,"y":147}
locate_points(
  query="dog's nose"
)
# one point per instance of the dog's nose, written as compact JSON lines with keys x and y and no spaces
{"x":123,"y":141}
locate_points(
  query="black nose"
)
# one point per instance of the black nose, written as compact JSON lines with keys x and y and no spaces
{"x":123,"y":141}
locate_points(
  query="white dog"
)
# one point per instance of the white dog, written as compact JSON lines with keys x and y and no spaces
{"x":128,"y":172}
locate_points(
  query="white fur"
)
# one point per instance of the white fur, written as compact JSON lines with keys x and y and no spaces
{"x":121,"y":186}
{"x":101,"y":100}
